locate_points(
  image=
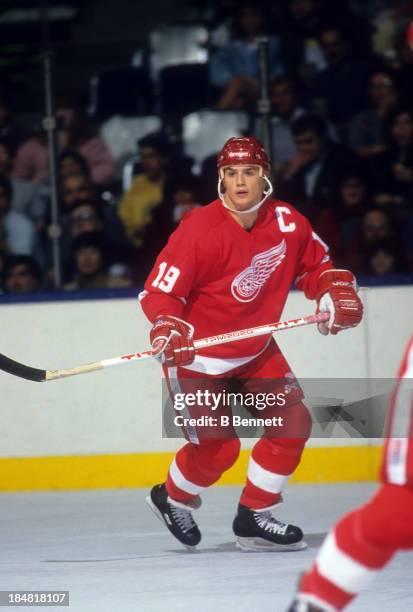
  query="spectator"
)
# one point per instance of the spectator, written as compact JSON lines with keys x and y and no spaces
{"x":377,"y":226}
{"x":300,"y":44}
{"x":17,"y":234}
{"x":386,"y":19}
{"x":350,"y":203}
{"x":89,"y":216}
{"x":184,"y":195}
{"x":75,"y":132}
{"x":234,"y":68}
{"x":145,"y":194}
{"x":85,"y":216}
{"x":76,"y":188}
{"x":25,"y":193}
{"x":392,"y":171}
{"x":285,"y":110}
{"x":384,"y":258}
{"x":310,"y":177}
{"x":21,"y":275}
{"x":340,"y":88}
{"x":79,"y":189}
{"x":72,"y":162}
{"x":90,"y":265}
{"x":366,"y":130}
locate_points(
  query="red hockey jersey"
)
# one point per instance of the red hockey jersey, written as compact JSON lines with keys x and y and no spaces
{"x":220,"y":277}
{"x":397,"y":464}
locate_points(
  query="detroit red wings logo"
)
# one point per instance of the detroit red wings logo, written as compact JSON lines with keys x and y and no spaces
{"x":246,"y":286}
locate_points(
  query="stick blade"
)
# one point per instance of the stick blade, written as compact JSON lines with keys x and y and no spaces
{"x":20,"y":370}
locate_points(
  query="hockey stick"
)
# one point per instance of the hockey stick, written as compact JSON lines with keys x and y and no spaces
{"x":23,"y":371}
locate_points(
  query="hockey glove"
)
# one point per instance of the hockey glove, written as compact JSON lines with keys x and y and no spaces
{"x":337,"y":294}
{"x":172,"y":338}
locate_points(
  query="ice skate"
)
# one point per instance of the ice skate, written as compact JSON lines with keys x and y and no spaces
{"x":259,"y":530}
{"x":176,"y":516}
{"x":301,"y":605}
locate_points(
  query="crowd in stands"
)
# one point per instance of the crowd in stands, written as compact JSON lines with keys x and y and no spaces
{"x":341,"y":92}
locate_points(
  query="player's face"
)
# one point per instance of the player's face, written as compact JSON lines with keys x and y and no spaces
{"x":243,"y":186}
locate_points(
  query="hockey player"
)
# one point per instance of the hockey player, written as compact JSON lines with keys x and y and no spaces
{"x":230,"y":265}
{"x":365,"y":540}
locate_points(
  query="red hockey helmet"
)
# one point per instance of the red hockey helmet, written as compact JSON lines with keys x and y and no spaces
{"x":247,"y":150}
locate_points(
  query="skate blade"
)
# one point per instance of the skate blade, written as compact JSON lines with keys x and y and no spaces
{"x":261,"y":545}
{"x":158,"y":514}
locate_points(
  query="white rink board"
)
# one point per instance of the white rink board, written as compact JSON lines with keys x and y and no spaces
{"x":119,"y":410}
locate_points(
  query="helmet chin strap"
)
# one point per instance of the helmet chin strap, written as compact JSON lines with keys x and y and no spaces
{"x":267,"y":192}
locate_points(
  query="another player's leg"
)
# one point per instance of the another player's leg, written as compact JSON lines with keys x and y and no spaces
{"x":360,"y":545}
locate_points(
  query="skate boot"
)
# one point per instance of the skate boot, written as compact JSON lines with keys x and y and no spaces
{"x":258,"y":530}
{"x":176,"y":516}
{"x":300,"y":605}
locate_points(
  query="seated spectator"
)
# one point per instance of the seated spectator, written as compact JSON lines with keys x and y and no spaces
{"x":377,"y":226}
{"x":184,"y":195}
{"x":366,"y":129}
{"x":309,"y":180}
{"x":89,"y":216}
{"x":285,"y":110}
{"x":300,"y":44}
{"x":310,"y":177}
{"x":17,"y":233}
{"x":350,"y":203}
{"x":25,"y":193}
{"x":86,"y":216}
{"x":90,"y":265}
{"x":385,"y":258}
{"x":392,"y":170}
{"x":145,"y":194}
{"x":234,"y":68}
{"x":76,"y":188}
{"x":72,"y":162}
{"x":340,"y":89}
{"x":21,"y":275}
{"x":75,"y":132}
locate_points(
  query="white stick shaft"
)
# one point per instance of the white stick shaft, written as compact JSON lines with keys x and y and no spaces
{"x":241,"y":334}
{"x":35,"y":374}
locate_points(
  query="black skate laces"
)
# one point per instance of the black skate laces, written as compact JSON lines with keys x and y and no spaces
{"x":182,"y":517}
{"x":265,"y":520}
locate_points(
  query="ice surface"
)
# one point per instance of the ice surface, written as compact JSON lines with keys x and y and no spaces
{"x":113,"y":555}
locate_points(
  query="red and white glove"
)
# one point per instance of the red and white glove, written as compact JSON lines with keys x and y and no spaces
{"x":172,"y":338}
{"x":337,"y":294}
